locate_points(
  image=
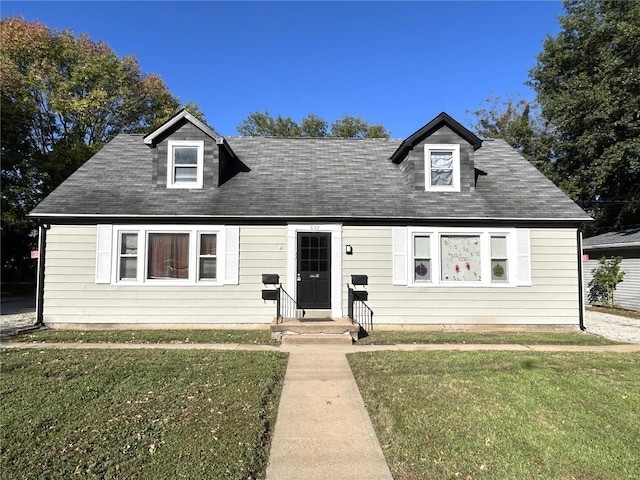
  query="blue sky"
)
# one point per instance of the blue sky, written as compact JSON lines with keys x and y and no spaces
{"x":395,"y":63}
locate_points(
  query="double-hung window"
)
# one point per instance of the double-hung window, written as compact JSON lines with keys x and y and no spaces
{"x":207,"y":256}
{"x":128,"y":256}
{"x":422,"y":258}
{"x":442,"y":167}
{"x":185,"y":163}
{"x":499,"y":258}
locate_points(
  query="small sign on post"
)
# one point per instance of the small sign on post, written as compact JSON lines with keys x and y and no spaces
{"x":585,"y":257}
{"x":35,"y":254}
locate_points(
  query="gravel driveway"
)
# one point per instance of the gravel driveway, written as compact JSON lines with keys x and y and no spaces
{"x":614,"y":327}
{"x":17,"y":312}
{"x":20,"y":313}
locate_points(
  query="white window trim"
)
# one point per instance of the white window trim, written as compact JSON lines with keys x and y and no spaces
{"x":117,"y":253}
{"x":194,"y":232}
{"x":442,"y":147}
{"x":171,"y":183}
{"x":435,"y":235}
{"x":199,"y":256}
{"x":509,"y":258}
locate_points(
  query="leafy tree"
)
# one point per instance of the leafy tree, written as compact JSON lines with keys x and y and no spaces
{"x":606,"y":277}
{"x":62,"y":97}
{"x":587,"y":81}
{"x":313,"y":126}
{"x":355,"y":127}
{"x":263,"y":124}
{"x":519,"y":123}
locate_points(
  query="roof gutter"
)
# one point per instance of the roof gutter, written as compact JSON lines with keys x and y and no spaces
{"x":42,"y":251}
{"x":580,"y":283}
{"x":611,"y":245}
{"x":310,"y":218}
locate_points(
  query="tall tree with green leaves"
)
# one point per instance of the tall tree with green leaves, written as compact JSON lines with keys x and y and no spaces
{"x":519,"y":123}
{"x":313,"y":126}
{"x":263,"y":124}
{"x":63,"y":97}
{"x":355,"y":127}
{"x":587,"y":80}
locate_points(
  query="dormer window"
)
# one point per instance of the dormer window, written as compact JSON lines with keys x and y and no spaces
{"x":442,"y":167}
{"x":185,"y":164}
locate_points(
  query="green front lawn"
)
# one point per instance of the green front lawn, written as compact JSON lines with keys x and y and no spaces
{"x":519,"y":338}
{"x":147,"y":336}
{"x":123,"y":414}
{"x":504,"y":415}
{"x":263,"y":337}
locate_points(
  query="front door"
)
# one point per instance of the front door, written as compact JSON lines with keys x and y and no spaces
{"x":314,"y":270}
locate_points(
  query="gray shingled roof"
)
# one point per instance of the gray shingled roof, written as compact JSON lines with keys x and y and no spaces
{"x":309,"y":177}
{"x":624,"y":238}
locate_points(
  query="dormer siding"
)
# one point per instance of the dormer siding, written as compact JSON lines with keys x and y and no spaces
{"x":413,"y":167}
{"x":187,"y":131}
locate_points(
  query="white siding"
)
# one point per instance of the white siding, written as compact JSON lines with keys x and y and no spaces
{"x":72,"y":295}
{"x":552,"y":298}
{"x":627,"y":294}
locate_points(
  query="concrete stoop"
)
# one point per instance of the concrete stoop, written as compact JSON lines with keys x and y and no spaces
{"x":316,"y":339}
{"x":315,"y":330}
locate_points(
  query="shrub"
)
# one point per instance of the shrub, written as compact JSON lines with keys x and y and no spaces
{"x":606,"y":277}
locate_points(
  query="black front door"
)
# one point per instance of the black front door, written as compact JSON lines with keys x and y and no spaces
{"x":314,"y":270}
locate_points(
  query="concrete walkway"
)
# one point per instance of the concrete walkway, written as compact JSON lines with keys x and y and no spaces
{"x":336,"y":349}
{"x":323,"y":430}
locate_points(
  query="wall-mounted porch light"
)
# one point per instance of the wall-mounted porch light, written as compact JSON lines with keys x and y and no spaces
{"x":349,"y":250}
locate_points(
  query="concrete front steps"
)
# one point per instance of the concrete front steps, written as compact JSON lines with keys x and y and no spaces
{"x":317,"y":327}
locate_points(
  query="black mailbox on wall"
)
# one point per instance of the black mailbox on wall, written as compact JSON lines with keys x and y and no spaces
{"x":269,"y":294}
{"x":270,"y":278}
{"x":359,"y":280}
{"x":361,"y":295}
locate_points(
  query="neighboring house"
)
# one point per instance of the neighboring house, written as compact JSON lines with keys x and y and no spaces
{"x":625,"y":244}
{"x":177,"y":227}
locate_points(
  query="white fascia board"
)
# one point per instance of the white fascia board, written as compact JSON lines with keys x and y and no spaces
{"x":186,"y":115}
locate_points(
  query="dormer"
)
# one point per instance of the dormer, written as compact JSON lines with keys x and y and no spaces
{"x":439,"y":156}
{"x":188,"y":154}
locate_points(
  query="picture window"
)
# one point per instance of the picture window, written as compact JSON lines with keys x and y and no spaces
{"x":168,"y":256}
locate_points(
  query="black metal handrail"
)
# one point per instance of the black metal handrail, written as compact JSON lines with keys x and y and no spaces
{"x":287,"y":306}
{"x":359,"y":312}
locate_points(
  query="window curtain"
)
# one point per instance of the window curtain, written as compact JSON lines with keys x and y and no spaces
{"x":169,"y":255}
{"x":441,"y":168}
{"x":460,"y":258}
